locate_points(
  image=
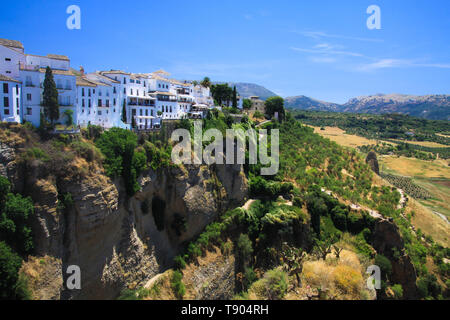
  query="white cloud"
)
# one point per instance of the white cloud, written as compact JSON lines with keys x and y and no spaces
{"x":399,"y":63}
{"x":328,"y":51}
{"x":319,"y":35}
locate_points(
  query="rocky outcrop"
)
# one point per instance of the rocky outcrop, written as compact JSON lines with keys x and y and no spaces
{"x":118,"y":241}
{"x":388,"y":242}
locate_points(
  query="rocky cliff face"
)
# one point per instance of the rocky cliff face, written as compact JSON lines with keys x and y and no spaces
{"x":387,"y":240}
{"x":117,"y":241}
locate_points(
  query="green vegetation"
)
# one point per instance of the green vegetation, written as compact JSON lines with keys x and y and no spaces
{"x":275,"y":105}
{"x":15,"y":241}
{"x":407,"y":185}
{"x":405,"y":150}
{"x":121,"y":158}
{"x":50,"y":97}
{"x":385,"y":127}
{"x":177,"y":285}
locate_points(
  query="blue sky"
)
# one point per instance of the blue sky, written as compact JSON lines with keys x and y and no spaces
{"x":322,"y":49}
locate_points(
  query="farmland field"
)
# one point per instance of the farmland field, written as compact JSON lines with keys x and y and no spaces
{"x":340,"y":137}
{"x":433,"y":176}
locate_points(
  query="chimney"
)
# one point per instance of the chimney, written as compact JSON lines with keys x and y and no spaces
{"x":82,"y":70}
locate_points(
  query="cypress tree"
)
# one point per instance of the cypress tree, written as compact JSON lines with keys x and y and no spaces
{"x":50,"y":97}
{"x":124,"y":112}
{"x":235,"y":104}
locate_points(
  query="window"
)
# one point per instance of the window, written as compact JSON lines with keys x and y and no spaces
{"x":89,"y":92}
{"x":99,"y":102}
{"x":131,"y":90}
{"x":99,"y":93}
{"x":7,"y":59}
{"x":5,"y":88}
{"x":89,"y":103}
{"x":29,"y":111}
{"x":124,"y":90}
{"x":99,"y":113}
{"x":107,"y":103}
{"x":140,"y":112}
{"x":115,"y":90}
{"x":6,"y":102}
{"x":124,"y":80}
{"x":17,"y":89}
{"x":137,"y":92}
{"x":6,"y":112}
{"x":82,"y":92}
{"x":28,"y":96}
{"x":82,"y":103}
{"x":68,"y":85}
{"x":114,"y":102}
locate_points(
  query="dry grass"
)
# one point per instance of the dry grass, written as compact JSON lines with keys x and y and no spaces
{"x":412,"y":167}
{"x":44,"y":277}
{"x":423,"y":143}
{"x":430,"y":223}
{"x":343,"y":279}
{"x":340,"y":137}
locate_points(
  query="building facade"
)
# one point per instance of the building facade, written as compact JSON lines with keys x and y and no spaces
{"x":106,"y":98}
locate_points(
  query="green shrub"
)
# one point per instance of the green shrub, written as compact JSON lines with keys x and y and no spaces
{"x":177,"y":285}
{"x":385,"y":265}
{"x":10,"y":264}
{"x":398,"y":291}
{"x":180,"y":264}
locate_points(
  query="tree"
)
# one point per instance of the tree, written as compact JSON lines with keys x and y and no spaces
{"x":245,"y":249}
{"x":15,"y":227}
{"x":222,"y":93}
{"x":5,"y":188}
{"x":206,"y":82}
{"x":293,"y":260}
{"x":235,"y":103}
{"x":274,"y":105}
{"x":69,"y":114}
{"x":121,"y":159}
{"x":10,"y":264}
{"x":247,"y":104}
{"x":124,"y":112}
{"x":50,"y":97}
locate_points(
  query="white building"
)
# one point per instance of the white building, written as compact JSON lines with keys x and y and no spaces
{"x":10,"y":99}
{"x":97,"y":98}
{"x":32,"y":75}
{"x":11,"y":56}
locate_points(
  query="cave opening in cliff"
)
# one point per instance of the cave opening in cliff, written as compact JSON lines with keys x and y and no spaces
{"x":158,"y":210}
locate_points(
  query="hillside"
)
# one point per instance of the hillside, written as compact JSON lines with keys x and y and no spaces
{"x":112,"y":203}
{"x":432,"y":107}
{"x":306,"y":103}
{"x":247,"y":90}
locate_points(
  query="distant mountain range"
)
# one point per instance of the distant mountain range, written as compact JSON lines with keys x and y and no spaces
{"x":306,"y":103}
{"x":247,"y":90}
{"x":433,"y":107}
